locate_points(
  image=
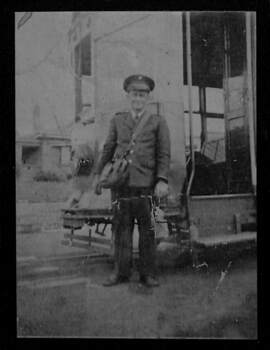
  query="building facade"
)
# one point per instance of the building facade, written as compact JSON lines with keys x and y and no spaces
{"x":106,"y":47}
{"x":43,"y":152}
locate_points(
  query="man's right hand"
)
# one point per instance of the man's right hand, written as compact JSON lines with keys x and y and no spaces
{"x":96,"y":185}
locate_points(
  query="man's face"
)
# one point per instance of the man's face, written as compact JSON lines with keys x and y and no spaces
{"x":138,"y":99}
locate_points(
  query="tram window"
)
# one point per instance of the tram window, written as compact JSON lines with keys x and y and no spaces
{"x":215,"y":150}
{"x":214,"y":100}
{"x":215,"y":129}
{"x":237,"y":43}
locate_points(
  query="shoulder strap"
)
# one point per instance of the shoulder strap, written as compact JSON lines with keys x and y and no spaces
{"x":140,"y":125}
{"x":138,"y":129}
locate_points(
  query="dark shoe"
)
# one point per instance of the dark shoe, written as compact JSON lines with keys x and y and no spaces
{"x":149,"y":281}
{"x":115,"y":279}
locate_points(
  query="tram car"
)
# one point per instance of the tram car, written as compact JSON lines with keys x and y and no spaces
{"x":199,"y":61}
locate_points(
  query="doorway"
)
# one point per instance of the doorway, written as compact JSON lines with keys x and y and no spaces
{"x":219,"y":83}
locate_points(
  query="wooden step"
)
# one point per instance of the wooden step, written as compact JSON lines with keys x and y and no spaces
{"x":226,"y":239}
{"x":87,"y":238}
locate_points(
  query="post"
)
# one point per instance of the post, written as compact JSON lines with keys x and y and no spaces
{"x":202,"y":100}
{"x":250,"y":104}
{"x":227,"y":69}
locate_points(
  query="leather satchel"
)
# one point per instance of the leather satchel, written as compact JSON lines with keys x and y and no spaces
{"x":115,"y":173}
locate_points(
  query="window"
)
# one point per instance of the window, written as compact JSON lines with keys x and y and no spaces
{"x":82,"y":67}
{"x":215,"y":129}
{"x":65,"y":155}
{"x":30,"y":155}
{"x":83,"y":57}
{"x":86,"y":56}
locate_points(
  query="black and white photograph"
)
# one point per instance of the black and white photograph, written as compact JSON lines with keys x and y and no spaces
{"x":136,"y":175}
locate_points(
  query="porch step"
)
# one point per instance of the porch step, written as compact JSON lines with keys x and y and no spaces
{"x":226,"y":239}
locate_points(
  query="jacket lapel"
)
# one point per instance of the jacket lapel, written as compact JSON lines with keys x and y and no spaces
{"x":129,"y":121}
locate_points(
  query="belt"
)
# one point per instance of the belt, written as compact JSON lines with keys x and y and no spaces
{"x":116,"y":202}
{"x":133,"y":198}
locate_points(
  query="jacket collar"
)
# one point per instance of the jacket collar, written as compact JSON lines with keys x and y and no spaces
{"x":130,"y":122}
{"x":134,"y":114}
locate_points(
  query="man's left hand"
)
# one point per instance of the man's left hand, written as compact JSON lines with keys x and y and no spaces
{"x":161,"y":189}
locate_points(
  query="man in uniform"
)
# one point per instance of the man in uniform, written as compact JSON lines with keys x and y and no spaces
{"x":148,"y":174}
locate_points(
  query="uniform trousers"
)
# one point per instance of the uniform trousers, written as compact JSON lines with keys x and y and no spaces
{"x":134,"y":203}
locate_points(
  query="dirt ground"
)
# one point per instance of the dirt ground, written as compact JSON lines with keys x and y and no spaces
{"x":188,"y":304}
{"x":39,"y":204}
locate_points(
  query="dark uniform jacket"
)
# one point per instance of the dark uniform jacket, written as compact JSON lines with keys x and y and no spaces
{"x":150,"y":158}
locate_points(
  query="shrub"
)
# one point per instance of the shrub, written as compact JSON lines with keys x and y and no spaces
{"x":47,"y":176}
{"x":69,"y":176}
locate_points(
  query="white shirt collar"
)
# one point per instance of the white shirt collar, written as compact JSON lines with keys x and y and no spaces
{"x":134,"y":114}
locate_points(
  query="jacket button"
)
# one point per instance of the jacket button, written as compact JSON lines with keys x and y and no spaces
{"x":132,"y":151}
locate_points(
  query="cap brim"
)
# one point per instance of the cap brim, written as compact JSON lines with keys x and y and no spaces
{"x":138,"y":86}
